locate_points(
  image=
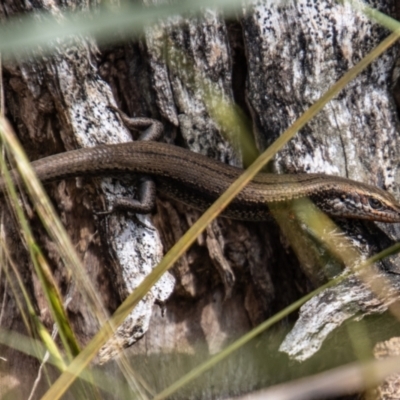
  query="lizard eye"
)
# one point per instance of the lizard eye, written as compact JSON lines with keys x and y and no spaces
{"x":374,"y":203}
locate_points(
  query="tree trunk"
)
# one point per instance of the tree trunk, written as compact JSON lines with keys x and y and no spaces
{"x":274,"y":61}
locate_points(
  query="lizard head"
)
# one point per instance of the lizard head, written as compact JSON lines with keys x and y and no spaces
{"x":360,"y":201}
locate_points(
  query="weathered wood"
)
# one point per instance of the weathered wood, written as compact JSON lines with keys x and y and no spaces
{"x":56,"y":104}
{"x":390,"y":388}
{"x":296,"y":51}
{"x":237,"y":274}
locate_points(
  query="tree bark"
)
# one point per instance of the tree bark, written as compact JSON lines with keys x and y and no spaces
{"x":274,"y":61}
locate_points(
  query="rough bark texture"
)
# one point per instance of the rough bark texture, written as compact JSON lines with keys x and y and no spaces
{"x":390,"y":388}
{"x":237,"y":274}
{"x":363,"y":113}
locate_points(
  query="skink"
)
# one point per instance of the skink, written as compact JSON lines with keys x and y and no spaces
{"x":197,"y":180}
